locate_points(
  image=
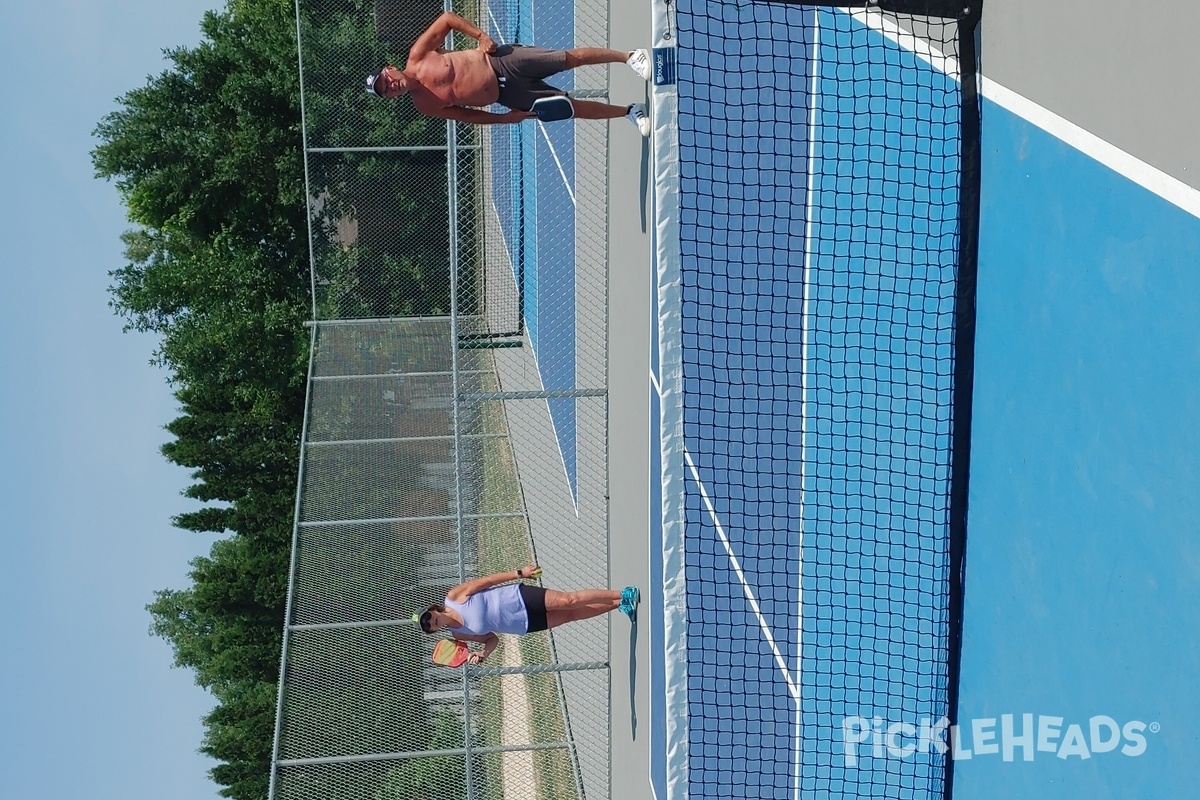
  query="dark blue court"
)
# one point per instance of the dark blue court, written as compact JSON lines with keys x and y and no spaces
{"x":533,"y":174}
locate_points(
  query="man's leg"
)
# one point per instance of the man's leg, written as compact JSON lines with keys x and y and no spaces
{"x":586,"y":56}
{"x":590,"y":109}
{"x":636,"y":113}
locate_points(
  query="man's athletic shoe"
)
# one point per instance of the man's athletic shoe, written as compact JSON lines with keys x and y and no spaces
{"x":637,"y":115}
{"x":630,"y":597}
{"x":639,"y":62}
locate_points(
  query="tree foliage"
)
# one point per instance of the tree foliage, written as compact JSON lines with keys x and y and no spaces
{"x":207,"y":159}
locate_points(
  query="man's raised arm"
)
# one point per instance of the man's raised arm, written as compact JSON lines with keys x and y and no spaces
{"x":435,"y":35}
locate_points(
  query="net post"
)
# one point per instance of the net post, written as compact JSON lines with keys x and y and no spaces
{"x":964,"y":356}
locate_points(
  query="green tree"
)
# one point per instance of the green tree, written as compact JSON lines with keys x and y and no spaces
{"x":207,"y":157}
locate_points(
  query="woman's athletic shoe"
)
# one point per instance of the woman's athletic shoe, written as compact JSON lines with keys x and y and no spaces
{"x":630,"y":597}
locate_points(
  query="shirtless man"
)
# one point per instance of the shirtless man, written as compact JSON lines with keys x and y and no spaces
{"x":456,"y":84}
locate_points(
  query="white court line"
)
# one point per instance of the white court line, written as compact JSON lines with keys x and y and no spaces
{"x":542,"y":125}
{"x":532,"y":347}
{"x":737,"y":567}
{"x":561,"y":171}
{"x":538,"y":372}
{"x":814,"y":95}
{"x":496,"y":26}
{"x":1149,"y":177}
{"x":874,"y":19}
{"x":504,"y":240}
{"x":745,"y":585}
{"x":1153,"y":179}
{"x":793,"y":689}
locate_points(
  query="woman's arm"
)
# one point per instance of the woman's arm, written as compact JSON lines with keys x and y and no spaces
{"x":489,"y":641}
{"x":464,"y":590}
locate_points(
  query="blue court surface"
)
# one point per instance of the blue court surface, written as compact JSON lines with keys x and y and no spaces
{"x":1083,"y":574}
{"x":533,"y":178}
{"x":805,"y":400}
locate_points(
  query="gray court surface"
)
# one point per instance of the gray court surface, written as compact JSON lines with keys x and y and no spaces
{"x":1125,"y":73}
{"x":568,"y":540}
{"x":630,"y":281}
{"x":563,"y":530}
{"x":568,"y":531}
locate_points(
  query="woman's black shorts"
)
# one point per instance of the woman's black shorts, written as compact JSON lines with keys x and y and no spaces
{"x":535,"y":606}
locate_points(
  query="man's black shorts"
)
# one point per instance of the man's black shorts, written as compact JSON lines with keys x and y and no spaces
{"x":520,"y":70}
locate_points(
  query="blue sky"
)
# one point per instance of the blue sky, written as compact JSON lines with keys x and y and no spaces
{"x":91,"y":705}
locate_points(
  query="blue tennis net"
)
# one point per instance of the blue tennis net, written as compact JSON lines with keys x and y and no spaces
{"x":820,"y":222}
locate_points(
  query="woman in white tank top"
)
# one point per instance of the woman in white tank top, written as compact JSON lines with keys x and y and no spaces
{"x":477,"y":610}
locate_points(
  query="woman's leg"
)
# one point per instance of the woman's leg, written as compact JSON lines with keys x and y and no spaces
{"x":603,"y":599}
{"x":564,"y":607}
{"x":586,"y":56}
{"x":563,"y":616}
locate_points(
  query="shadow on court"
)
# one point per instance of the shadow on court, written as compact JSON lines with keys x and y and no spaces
{"x":633,"y":634}
{"x":644,"y":169}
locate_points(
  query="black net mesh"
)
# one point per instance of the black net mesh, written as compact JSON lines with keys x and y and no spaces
{"x":820,"y":199}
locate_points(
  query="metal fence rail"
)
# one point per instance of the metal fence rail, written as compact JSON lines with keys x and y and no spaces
{"x":449,"y":432}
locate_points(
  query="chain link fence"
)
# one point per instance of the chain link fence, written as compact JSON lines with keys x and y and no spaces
{"x":456,"y":424}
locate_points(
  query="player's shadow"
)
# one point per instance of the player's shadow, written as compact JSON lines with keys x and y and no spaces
{"x":633,"y":721}
{"x":645,"y":177}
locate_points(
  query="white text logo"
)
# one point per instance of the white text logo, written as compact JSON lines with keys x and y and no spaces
{"x":1010,"y":737}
